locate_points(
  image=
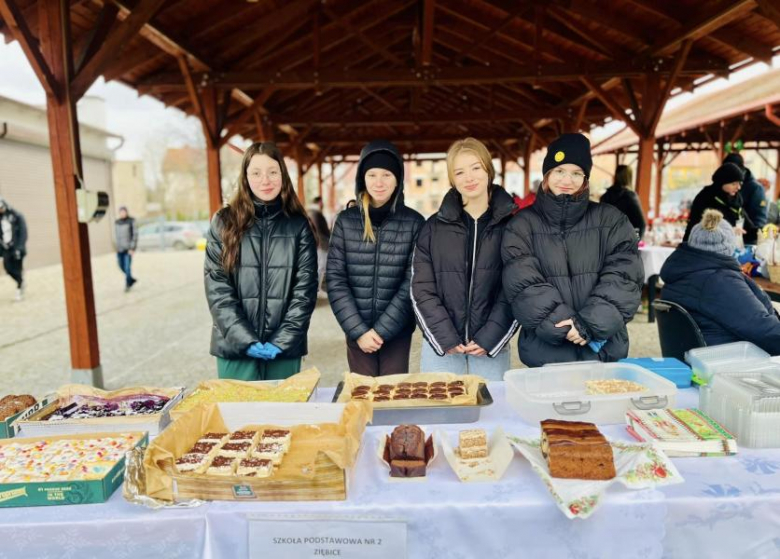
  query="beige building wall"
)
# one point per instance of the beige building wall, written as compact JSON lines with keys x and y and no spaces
{"x":129,"y":188}
{"x":27,"y":183}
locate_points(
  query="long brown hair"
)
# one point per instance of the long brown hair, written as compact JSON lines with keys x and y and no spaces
{"x":239,"y":214}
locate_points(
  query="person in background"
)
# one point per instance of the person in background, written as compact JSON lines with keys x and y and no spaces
{"x":13,"y":244}
{"x":773,"y":207}
{"x":703,"y":277}
{"x":369,"y":266}
{"x":530,"y":198}
{"x":322,"y":234}
{"x":126,"y":234}
{"x":572,"y":270}
{"x":456,"y":272}
{"x":753,"y":199}
{"x":722,"y":195}
{"x":261,"y":273}
{"x":621,"y":195}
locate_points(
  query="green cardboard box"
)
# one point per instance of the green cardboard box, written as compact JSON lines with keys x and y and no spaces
{"x":8,"y":429}
{"x":35,"y":494}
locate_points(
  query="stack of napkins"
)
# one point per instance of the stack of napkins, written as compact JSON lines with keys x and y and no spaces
{"x":684,"y":432}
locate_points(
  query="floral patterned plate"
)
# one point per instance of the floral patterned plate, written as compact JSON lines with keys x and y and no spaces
{"x":638,"y":466}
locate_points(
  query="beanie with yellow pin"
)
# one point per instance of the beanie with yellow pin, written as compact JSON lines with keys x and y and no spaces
{"x":568,"y":148}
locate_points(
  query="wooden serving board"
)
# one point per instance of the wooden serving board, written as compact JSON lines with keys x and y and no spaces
{"x":328,"y":484}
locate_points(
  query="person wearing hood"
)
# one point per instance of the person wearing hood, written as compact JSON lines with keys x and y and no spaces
{"x":369,"y":263}
{"x":722,"y":195}
{"x":703,"y":277}
{"x":456,"y":271}
{"x":13,"y":244}
{"x":261,"y":273}
{"x":572,"y":270}
{"x":753,"y":199}
{"x":126,"y":236}
{"x":621,"y":195}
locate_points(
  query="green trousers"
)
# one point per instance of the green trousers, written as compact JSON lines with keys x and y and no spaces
{"x":257,"y":369}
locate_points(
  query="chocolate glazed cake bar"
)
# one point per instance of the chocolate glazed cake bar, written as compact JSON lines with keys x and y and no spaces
{"x":407,"y":451}
{"x":576,"y":450}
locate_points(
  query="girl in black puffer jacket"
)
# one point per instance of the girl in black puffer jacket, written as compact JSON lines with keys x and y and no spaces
{"x":261,"y":273}
{"x":368,"y":266}
{"x":572,"y":270}
{"x":456,"y":273}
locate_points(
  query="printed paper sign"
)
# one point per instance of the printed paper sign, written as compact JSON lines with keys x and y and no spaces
{"x":299,"y":537}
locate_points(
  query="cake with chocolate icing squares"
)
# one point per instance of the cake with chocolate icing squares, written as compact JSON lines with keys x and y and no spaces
{"x":576,"y":450}
{"x":255,"y":467}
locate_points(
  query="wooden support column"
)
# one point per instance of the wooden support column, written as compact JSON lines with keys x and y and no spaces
{"x":56,"y":46}
{"x":319,"y":181}
{"x":301,"y":172}
{"x":527,"y":150}
{"x":644,"y":170}
{"x":332,"y":189}
{"x":659,"y":179}
{"x":502,"y":161}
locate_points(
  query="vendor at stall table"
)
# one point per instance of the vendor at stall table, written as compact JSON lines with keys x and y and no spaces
{"x":703,"y":276}
{"x":572,"y":270}
{"x":261,"y":273}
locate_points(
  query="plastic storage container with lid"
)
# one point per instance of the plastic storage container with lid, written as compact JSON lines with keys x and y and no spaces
{"x":706,"y":361}
{"x":667,"y":367}
{"x":558,"y":392}
{"x":746,"y":403}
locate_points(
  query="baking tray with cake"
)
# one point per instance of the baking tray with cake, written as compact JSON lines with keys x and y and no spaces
{"x":586,"y":391}
{"x":297,"y":388}
{"x":15,"y":407}
{"x":260,"y":451}
{"x":77,"y":408}
{"x":418,"y":398}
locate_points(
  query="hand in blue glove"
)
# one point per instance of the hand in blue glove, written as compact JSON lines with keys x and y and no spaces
{"x":256,"y":351}
{"x":270,"y":352}
{"x":596,"y":345}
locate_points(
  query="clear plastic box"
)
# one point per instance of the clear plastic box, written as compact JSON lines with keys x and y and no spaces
{"x":747,"y":404}
{"x":558,"y":392}
{"x":706,"y":361}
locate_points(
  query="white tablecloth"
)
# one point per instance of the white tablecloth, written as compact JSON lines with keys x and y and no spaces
{"x":728,"y":507}
{"x":653,"y":258}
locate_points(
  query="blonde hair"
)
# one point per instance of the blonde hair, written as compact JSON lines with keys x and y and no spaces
{"x":711,"y":219}
{"x":477,"y":148}
{"x":368,"y":229}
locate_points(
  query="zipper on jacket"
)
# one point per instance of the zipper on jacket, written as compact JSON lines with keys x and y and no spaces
{"x":263,"y":281}
{"x":376,"y":274}
{"x":471,"y":279}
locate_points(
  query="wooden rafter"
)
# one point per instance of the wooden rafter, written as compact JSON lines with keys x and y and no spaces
{"x":98,"y":34}
{"x":483,"y":38}
{"x":195,"y":99}
{"x":14,"y":19}
{"x":770,"y":10}
{"x":682,"y":55}
{"x":143,"y":12}
{"x":356,"y":31}
{"x":606,"y":98}
{"x":429,"y":7}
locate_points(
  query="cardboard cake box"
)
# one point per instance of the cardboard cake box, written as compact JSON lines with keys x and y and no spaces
{"x":65,"y":492}
{"x":37,"y":425}
{"x":9,"y":427}
{"x":326,"y":439}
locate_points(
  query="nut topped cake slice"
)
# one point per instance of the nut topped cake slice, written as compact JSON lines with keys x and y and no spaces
{"x":576,"y":450}
{"x":255,"y":467}
{"x":222,"y":466}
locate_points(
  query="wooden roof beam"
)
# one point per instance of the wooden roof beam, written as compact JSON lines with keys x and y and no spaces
{"x":17,"y":24}
{"x":356,"y":31}
{"x":429,"y":7}
{"x":682,"y":54}
{"x":617,"y":110}
{"x":143,"y":12}
{"x":320,"y":120}
{"x":482,"y":39}
{"x":770,"y":10}
{"x":97,"y":35}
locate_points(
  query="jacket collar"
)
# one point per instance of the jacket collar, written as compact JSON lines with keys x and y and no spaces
{"x":269,"y":210}
{"x":563,"y":211}
{"x":501,"y":205}
{"x":686,"y":260}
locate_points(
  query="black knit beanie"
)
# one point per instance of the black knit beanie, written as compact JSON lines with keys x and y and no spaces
{"x":726,"y":173}
{"x":568,"y":148}
{"x":736,"y":159}
{"x":383,"y":160}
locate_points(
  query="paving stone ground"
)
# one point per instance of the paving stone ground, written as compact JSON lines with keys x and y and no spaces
{"x":158,"y":334}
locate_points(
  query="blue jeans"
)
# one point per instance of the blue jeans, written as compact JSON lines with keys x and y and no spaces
{"x":125,"y":261}
{"x":490,"y":368}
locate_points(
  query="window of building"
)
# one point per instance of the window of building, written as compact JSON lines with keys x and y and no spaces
{"x":418,"y":182}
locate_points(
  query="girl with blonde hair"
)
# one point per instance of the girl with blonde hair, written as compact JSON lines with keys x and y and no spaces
{"x":456,"y":271}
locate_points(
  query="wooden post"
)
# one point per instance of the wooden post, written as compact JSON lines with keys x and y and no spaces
{"x":213,"y":163}
{"x":301,"y":172}
{"x":332,"y":190}
{"x":659,"y":179}
{"x":502,"y":161}
{"x":644,"y":170}
{"x":56,"y":45}
{"x":319,"y":180}
{"x":527,"y":150}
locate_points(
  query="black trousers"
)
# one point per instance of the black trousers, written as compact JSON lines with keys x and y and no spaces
{"x":13,"y":266}
{"x":392,"y":359}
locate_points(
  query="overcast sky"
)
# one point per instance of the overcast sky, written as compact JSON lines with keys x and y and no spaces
{"x":138,"y":118}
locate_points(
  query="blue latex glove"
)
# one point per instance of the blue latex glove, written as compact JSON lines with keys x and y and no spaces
{"x":596,"y":345}
{"x":270,"y":352}
{"x":256,"y":351}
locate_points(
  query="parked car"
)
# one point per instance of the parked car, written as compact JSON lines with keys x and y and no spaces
{"x":179,"y":235}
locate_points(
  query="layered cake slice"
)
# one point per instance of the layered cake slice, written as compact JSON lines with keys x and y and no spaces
{"x":243,"y":437}
{"x":576,"y":450}
{"x":191,"y":462}
{"x":472,"y":444}
{"x":222,"y":466}
{"x":269,"y":451}
{"x":282,"y":437}
{"x":235,"y":450}
{"x":255,"y":467}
